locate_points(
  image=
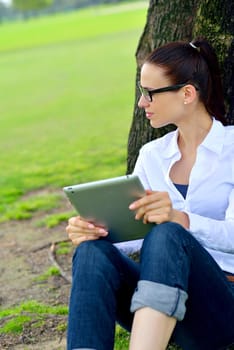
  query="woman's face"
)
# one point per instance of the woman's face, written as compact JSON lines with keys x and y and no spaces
{"x":166,"y":107}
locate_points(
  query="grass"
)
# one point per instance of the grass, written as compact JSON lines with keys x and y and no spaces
{"x":19,"y":316}
{"x":122,"y":338}
{"x":15,"y":325}
{"x":33,"y":307}
{"x":33,"y":310}
{"x":51,"y":271}
{"x":77,"y":25}
{"x":67,"y":93}
{"x":67,"y":90}
{"x":64,"y":248}
{"x":25,"y":208}
{"x":53,"y":220}
{"x":26,"y":312}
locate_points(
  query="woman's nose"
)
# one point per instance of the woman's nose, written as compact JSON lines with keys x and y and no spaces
{"x":142,"y":102}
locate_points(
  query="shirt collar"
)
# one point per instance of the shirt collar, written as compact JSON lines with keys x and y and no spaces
{"x":170,"y":146}
{"x":213,"y":141}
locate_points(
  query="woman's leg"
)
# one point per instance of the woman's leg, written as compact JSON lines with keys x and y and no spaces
{"x":151,"y":330}
{"x":103,"y":283}
{"x":174,"y":266}
{"x":208,"y":322}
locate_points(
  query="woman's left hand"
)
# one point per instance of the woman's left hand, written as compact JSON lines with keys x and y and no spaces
{"x":156,"y":207}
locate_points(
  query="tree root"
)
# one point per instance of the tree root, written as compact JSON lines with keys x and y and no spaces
{"x":53,"y":259}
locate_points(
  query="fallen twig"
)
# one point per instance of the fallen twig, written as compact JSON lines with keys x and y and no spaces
{"x":52,"y":256}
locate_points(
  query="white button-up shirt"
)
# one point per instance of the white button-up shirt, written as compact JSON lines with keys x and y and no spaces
{"x":209,"y":202}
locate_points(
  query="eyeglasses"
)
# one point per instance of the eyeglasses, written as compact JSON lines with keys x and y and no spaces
{"x":149,"y":93}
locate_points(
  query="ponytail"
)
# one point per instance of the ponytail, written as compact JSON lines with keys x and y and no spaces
{"x":214,"y":97}
{"x":195,"y":63}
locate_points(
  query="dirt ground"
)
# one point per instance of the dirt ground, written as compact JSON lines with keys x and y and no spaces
{"x":25,"y":255}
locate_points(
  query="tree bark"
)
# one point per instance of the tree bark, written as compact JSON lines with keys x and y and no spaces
{"x":215,"y":21}
{"x":174,"y":20}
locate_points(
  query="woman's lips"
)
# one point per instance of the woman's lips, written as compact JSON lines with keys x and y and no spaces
{"x":148,"y":115}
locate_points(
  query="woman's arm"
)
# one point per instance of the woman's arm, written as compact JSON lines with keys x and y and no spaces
{"x":215,"y":234}
{"x":211,"y":233}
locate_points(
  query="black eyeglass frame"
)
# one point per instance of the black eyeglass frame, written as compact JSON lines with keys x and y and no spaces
{"x":148,"y":94}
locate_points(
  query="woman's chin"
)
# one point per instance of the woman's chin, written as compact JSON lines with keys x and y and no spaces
{"x":157,"y":124}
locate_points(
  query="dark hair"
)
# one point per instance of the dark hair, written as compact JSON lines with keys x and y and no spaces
{"x":195,"y":63}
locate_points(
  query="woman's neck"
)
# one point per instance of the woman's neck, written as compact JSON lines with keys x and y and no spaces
{"x":192,"y":133}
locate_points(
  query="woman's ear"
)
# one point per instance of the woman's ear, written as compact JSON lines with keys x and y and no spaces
{"x":190,"y":93}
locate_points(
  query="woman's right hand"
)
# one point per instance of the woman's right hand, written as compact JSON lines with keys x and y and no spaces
{"x":80,"y":230}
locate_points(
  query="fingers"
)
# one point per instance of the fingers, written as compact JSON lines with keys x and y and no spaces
{"x":80,"y":230}
{"x":149,"y":198}
{"x":154,"y":207}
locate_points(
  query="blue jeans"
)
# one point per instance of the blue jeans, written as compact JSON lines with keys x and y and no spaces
{"x":175,"y":275}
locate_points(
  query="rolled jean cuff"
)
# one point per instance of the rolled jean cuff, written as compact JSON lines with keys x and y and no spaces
{"x":163,"y":298}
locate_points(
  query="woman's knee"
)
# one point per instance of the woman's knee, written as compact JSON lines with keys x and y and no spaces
{"x":165,"y":251}
{"x":165,"y":235}
{"x":90,"y":253}
{"x":96,"y":258}
{"x":164,"y":259}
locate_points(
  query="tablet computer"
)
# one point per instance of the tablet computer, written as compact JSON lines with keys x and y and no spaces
{"x":106,"y":204}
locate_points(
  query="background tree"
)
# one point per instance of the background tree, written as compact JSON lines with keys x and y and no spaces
{"x":27,"y":5}
{"x":3,"y":11}
{"x":183,"y":20}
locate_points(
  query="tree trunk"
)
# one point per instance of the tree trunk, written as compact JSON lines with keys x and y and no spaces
{"x":174,"y":20}
{"x":215,"y":22}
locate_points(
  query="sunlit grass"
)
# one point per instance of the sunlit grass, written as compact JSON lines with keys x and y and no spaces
{"x":25,"y":208}
{"x":27,"y":311}
{"x":51,"y":271}
{"x":66,"y":101}
{"x":81,"y":24}
{"x":67,"y":92}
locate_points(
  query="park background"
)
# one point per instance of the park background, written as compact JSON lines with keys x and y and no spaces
{"x":67,"y":95}
{"x":68,"y":100}
{"x":67,"y":91}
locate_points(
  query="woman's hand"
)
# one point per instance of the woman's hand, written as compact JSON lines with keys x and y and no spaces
{"x":79,"y":230}
{"x":156,"y":207}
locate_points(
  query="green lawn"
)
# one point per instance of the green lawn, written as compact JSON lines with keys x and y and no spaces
{"x":67,"y":93}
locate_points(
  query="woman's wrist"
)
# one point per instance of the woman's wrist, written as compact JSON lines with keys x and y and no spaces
{"x":181,"y":218}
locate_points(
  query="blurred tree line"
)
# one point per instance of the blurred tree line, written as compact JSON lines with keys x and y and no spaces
{"x":24,"y":9}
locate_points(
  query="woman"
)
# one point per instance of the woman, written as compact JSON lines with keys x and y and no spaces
{"x":183,"y":287}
